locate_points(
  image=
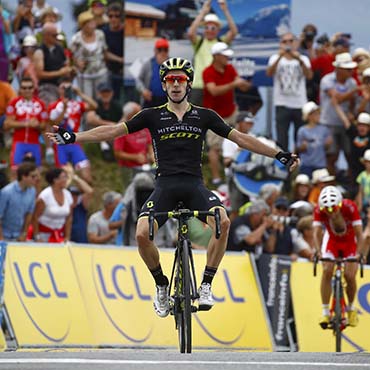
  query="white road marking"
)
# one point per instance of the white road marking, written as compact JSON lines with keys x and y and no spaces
{"x":143,"y":362}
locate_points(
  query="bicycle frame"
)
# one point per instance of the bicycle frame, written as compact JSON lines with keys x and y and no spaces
{"x":183,"y":285}
{"x":338,"y":321}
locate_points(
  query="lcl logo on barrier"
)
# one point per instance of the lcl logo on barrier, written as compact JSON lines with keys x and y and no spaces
{"x":114,"y":282}
{"x":30,"y":290}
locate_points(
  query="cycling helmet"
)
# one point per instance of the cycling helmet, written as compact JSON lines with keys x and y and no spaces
{"x":176,"y":64}
{"x":330,"y":197}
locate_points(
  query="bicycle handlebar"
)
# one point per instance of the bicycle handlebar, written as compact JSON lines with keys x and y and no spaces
{"x":338,"y":261}
{"x":183,"y":213}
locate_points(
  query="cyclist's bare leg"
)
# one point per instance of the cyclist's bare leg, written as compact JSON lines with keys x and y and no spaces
{"x":327,"y":274}
{"x":147,"y":249}
{"x":350,"y":270}
{"x":216,"y":247}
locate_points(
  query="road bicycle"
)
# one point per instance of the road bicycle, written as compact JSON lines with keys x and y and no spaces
{"x":338,"y":321}
{"x":183,"y":284}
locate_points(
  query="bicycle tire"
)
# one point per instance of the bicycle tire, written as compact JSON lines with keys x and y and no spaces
{"x":337,"y":316}
{"x":178,"y":293}
{"x":186,"y":311}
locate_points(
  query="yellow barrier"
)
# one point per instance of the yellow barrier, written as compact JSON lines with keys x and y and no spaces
{"x":43,"y":298}
{"x":118,"y":291}
{"x":307,"y":311}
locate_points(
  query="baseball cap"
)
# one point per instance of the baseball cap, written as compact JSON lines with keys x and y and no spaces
{"x":282,"y":202}
{"x":221,"y":48}
{"x":29,"y":40}
{"x":212,"y":18}
{"x":104,"y":86}
{"x":366,"y":72}
{"x":245,"y":116}
{"x":110,"y":196}
{"x":341,"y":41}
{"x":364,"y":118}
{"x":162,"y":44}
{"x":74,"y":189}
{"x":366,"y":156}
{"x":344,"y":60}
{"x":302,"y":179}
{"x":308,"y":108}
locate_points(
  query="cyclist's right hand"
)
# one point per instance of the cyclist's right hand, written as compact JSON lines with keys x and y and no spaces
{"x":61,"y":136}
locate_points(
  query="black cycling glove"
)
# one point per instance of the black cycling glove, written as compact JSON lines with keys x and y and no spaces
{"x":285,"y":158}
{"x":63,"y":136}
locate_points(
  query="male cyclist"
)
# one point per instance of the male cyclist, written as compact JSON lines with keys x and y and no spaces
{"x":178,"y":130}
{"x":342,"y":237}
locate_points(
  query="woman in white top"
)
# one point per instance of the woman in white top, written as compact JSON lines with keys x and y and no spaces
{"x":53,"y":211}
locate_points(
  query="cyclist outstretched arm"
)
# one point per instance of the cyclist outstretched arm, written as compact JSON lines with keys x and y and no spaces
{"x":252,"y":144}
{"x":97,"y":134}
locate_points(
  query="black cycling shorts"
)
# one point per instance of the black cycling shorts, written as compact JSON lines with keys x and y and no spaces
{"x":189,"y":189}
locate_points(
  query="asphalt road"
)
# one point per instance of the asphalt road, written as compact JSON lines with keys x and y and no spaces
{"x":169,"y":359}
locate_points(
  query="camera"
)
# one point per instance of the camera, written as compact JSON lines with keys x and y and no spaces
{"x":288,"y":49}
{"x":285,"y":220}
{"x":68,"y":92}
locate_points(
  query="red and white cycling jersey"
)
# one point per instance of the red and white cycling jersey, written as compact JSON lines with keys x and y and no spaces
{"x":73,"y":114}
{"x":23,"y":110}
{"x":345,"y":242}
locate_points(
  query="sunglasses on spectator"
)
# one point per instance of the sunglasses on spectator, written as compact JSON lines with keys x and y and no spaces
{"x":176,"y":78}
{"x":27,"y":87}
{"x":97,"y":4}
{"x":211,"y":28}
{"x":162,"y":50}
{"x":34,"y":176}
{"x":114,"y":15}
{"x":287,"y":40}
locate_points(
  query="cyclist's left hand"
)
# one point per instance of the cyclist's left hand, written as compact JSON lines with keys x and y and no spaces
{"x":290,"y":160}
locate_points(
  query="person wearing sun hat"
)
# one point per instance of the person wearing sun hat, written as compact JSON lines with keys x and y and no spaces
{"x":338,"y":87}
{"x":312,"y":140}
{"x":202,"y":44}
{"x":320,"y":178}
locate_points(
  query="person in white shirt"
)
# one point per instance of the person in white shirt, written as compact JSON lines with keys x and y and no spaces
{"x":52,"y":219}
{"x":289,"y":70}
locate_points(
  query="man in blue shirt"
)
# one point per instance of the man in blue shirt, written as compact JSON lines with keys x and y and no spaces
{"x":17,"y":202}
{"x":148,"y":82}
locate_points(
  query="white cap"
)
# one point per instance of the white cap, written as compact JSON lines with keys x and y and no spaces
{"x":364,"y":118}
{"x":360,"y":52}
{"x":212,"y":18}
{"x":221,"y":48}
{"x":308,"y":108}
{"x":29,"y":40}
{"x":344,"y":60}
{"x":302,"y":179}
{"x":366,"y":72}
{"x":366,"y":156}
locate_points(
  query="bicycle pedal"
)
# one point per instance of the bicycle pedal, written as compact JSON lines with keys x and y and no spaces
{"x":194,"y":309}
{"x":324,"y":325}
{"x":203,"y":307}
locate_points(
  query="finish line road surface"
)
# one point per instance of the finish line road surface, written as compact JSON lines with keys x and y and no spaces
{"x":140,"y":359}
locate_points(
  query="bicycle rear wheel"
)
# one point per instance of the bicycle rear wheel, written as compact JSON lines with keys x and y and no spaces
{"x":337,"y":317}
{"x":185,"y":330}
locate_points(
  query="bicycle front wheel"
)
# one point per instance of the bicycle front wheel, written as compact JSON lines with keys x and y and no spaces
{"x":185,"y":331}
{"x":337,"y":316}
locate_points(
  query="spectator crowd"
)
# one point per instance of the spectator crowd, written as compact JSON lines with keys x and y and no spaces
{"x":320,"y":86}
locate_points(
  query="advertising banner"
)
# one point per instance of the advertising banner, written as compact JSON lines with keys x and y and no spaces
{"x":118,"y":290}
{"x":259,"y":24}
{"x":307,"y":312}
{"x":274,"y":274}
{"x":43,"y":298}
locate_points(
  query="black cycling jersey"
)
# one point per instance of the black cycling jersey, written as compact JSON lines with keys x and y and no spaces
{"x":178,"y":145}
